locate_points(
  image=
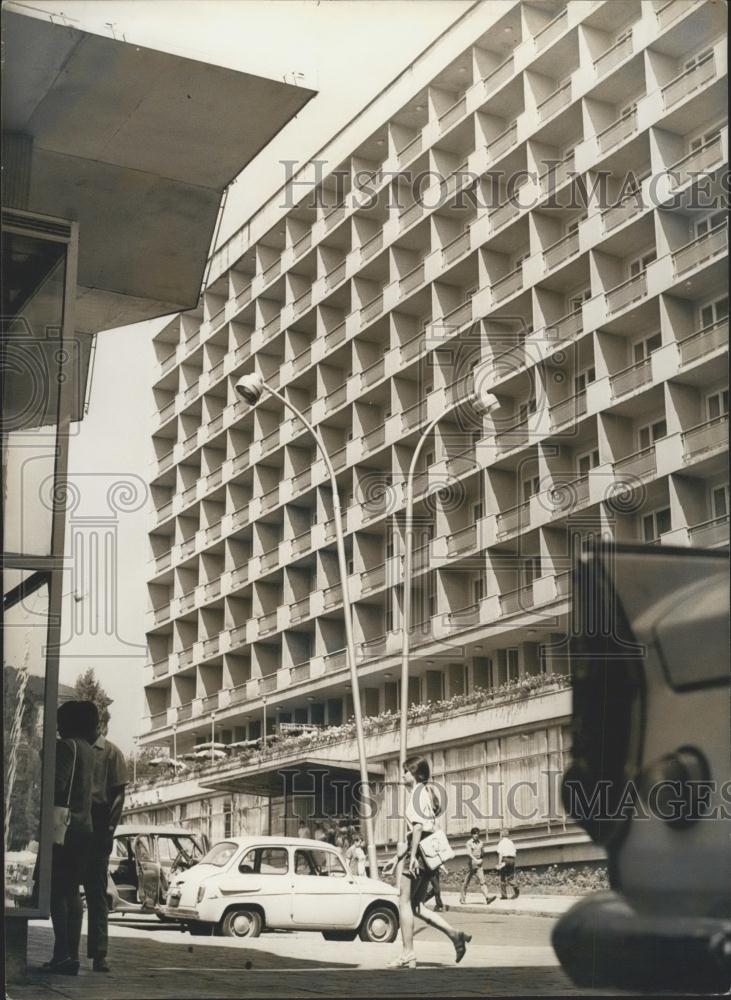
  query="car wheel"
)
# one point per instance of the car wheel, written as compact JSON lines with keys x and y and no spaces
{"x":242,"y":923}
{"x":380,"y":925}
{"x":340,"y":935}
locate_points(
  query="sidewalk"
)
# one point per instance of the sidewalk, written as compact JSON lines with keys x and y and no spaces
{"x":524,"y":905}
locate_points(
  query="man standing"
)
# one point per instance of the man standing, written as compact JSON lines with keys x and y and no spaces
{"x":474,"y":866}
{"x":506,"y":852}
{"x":355,"y":856}
{"x":107,"y":802}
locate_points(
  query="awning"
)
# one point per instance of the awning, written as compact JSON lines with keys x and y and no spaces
{"x":134,"y":144}
{"x":271,"y":777}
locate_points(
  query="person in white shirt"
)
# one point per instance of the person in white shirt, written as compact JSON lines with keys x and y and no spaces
{"x":355,"y":856}
{"x":474,"y":867}
{"x":421,"y":812}
{"x":506,"y":853}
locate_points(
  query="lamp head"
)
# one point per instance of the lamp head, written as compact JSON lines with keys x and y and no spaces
{"x":250,"y":388}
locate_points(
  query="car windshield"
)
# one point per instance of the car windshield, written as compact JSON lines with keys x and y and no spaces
{"x":219,"y":854}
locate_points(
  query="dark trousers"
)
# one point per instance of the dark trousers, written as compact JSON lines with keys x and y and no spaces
{"x":95,"y":887}
{"x":435,"y":888}
{"x":67,"y":868}
{"x":507,"y":878}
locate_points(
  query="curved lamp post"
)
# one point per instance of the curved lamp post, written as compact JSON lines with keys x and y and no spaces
{"x":482,"y":402}
{"x":251,"y":388}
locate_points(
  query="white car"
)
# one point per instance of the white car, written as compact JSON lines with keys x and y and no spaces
{"x":246,"y":884}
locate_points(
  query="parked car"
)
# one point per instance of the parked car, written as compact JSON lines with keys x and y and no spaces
{"x":247,"y":884}
{"x":144,"y":859}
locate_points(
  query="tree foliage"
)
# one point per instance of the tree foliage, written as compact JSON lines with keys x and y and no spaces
{"x":88,"y":688}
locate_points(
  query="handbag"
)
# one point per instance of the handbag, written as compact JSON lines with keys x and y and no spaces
{"x":435,"y":849}
{"x":62,"y":814}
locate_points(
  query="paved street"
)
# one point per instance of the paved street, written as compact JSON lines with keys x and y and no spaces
{"x":509,"y":955}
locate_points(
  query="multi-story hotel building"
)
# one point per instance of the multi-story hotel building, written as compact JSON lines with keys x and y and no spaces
{"x":588,"y":293}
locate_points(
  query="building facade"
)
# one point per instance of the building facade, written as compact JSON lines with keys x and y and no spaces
{"x":536,"y":203}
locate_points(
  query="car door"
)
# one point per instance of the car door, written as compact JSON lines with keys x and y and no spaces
{"x":324,"y":893}
{"x":148,"y":872}
{"x":262,"y":876}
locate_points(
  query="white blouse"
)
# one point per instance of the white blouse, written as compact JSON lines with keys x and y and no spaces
{"x":420,"y":809}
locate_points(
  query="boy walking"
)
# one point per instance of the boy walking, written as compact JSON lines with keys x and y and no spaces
{"x":506,"y":852}
{"x":474,"y":866}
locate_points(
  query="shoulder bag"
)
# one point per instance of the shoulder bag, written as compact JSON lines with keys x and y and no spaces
{"x":62,"y":814}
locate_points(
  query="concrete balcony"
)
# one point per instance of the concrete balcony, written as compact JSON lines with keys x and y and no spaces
{"x":554,"y":102}
{"x":464,"y":540}
{"x":302,"y":303}
{"x":373,"y":373}
{"x":613,"y":56}
{"x":567,"y":497}
{"x":568,"y":327}
{"x":671,"y":11}
{"x":464,"y":617}
{"x":698,"y":162}
{"x":707,"y":436}
{"x":456,"y":318}
{"x":508,"y":285}
{"x":456,"y":248}
{"x":373,"y":579}
{"x":567,"y":410}
{"x":410,"y":215}
{"x":412,"y":279}
{"x":160,"y":668}
{"x":700,"y":250}
{"x":516,"y":436}
{"x":454,"y":114}
{"x":168,"y":363}
{"x":166,"y":462}
{"x":515,"y":601}
{"x":502,"y":215}
{"x":214,"y":532}
{"x":498,"y":77}
{"x":266,"y":624}
{"x":711,"y":534}
{"x":410,"y":151}
{"x":186,"y":602}
{"x":186,"y":656}
{"x":210,"y":647}
{"x":618,"y":214}
{"x":689,"y":81}
{"x":637,"y":465}
{"x":551,"y":31}
{"x":336,"y":336}
{"x":161,"y":614}
{"x":561,"y":250}
{"x":299,"y":673}
{"x":704,"y":342}
{"x":164,"y":512}
{"x":371,"y":246}
{"x":513,"y":520}
{"x":631,"y":378}
{"x":269,"y":442}
{"x":299,"y":610}
{"x":269,"y":560}
{"x":629,"y":291}
{"x":163,"y":562}
{"x":502,"y":143}
{"x":617,"y":132}
{"x":374,"y":439}
{"x":372,"y":309}
{"x":332,"y":596}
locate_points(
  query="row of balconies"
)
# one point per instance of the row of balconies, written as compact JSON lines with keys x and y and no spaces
{"x":598,"y":397}
{"x":500,"y":287}
{"x":607,"y":137}
{"x":557,"y":496}
{"x":658,"y":277}
{"x":525,"y":599}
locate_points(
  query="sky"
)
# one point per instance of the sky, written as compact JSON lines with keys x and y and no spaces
{"x":348,"y":50}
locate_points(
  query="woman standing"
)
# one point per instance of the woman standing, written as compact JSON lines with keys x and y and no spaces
{"x":421,"y":813}
{"x":73,"y":788}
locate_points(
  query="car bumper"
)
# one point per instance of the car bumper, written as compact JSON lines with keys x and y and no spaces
{"x":180,"y":912}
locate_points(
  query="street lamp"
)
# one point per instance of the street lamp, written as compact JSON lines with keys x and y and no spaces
{"x":483,"y":402}
{"x":213,"y":737}
{"x":134,"y":760}
{"x":175,"y":742}
{"x":251,"y":388}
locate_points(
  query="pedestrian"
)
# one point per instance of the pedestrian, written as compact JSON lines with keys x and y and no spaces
{"x":303,"y":830}
{"x":107,"y":802}
{"x":320,"y":832}
{"x":72,"y":792}
{"x":475,"y":848}
{"x":356,"y":857}
{"x":506,"y":853}
{"x":330,"y":834}
{"x":421,"y":815}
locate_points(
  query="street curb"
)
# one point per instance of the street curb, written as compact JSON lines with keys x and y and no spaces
{"x":508,"y":912}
